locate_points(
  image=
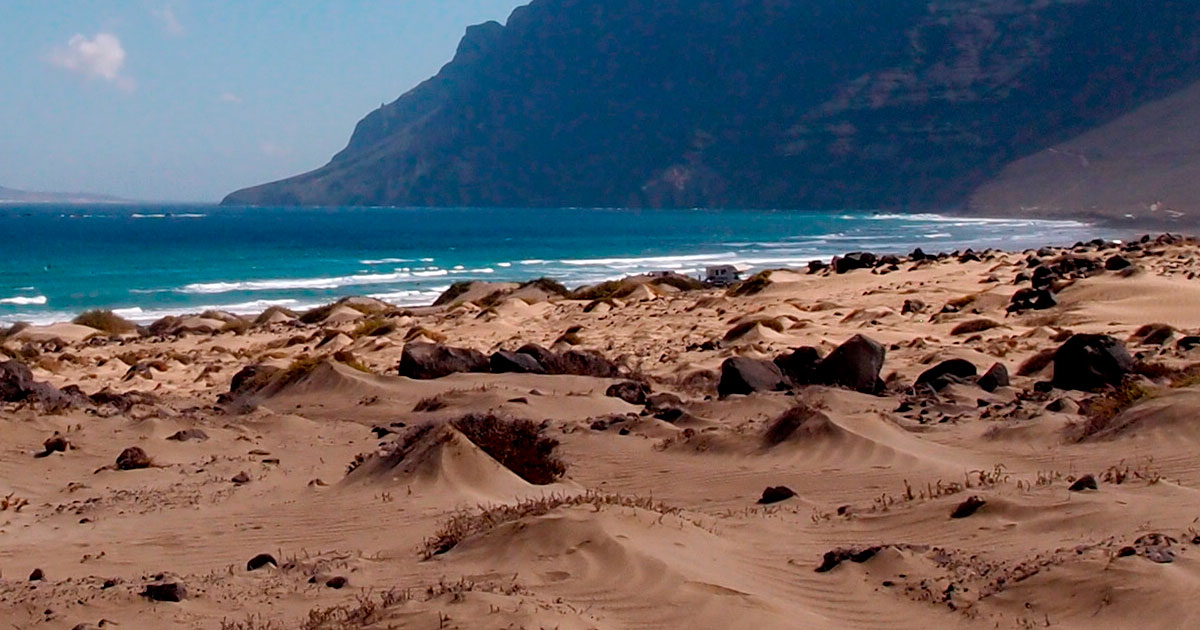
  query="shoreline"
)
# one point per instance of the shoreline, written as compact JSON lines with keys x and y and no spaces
{"x":874,"y":426}
{"x":137,"y":316}
{"x":254,"y":296}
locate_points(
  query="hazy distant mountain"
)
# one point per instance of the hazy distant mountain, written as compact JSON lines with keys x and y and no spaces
{"x":756,"y":103}
{"x":10,"y":195}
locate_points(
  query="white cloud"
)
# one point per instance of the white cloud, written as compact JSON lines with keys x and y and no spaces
{"x":230,"y":97}
{"x":100,"y":57}
{"x":272,"y":150}
{"x":170,"y":22}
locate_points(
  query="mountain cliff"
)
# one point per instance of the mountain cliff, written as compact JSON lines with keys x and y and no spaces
{"x":12,"y":195}
{"x":907,"y":104}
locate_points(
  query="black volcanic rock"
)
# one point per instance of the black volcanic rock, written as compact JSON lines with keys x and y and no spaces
{"x":1089,"y":362}
{"x":754,"y":103}
{"x":855,"y":365}
{"x":743,"y":375}
{"x":427,"y":361}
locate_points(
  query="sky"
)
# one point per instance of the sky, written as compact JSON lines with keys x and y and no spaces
{"x":188,"y":100}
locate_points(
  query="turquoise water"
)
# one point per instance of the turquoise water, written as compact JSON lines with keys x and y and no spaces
{"x":149,"y":261}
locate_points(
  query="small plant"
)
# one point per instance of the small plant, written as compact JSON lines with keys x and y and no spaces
{"x":612,"y":289}
{"x":1036,"y":363}
{"x":548,"y":285}
{"x":301,"y":367}
{"x":469,"y":523}
{"x":747,"y":326}
{"x":430,"y":404}
{"x":456,"y":290}
{"x":751,"y":286}
{"x":236,"y":326}
{"x":1102,"y":410}
{"x":105,"y":321}
{"x":421,"y":331}
{"x":974,"y":326}
{"x":12,"y":502}
{"x":519,"y":445}
{"x":571,"y":337}
{"x":270,"y":313}
{"x":373,"y":327}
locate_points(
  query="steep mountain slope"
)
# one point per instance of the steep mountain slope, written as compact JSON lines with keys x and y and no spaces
{"x":12,"y":195}
{"x":1144,"y":166}
{"x":754,"y":103}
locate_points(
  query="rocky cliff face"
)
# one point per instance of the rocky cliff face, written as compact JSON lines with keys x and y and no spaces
{"x":755,"y":103}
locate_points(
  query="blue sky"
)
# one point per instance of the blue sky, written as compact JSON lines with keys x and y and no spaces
{"x":187,"y":100}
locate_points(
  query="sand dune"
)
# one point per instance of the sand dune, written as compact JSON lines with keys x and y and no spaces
{"x":637,"y":495}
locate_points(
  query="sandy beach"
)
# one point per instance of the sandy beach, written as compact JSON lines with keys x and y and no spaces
{"x":970,"y":440}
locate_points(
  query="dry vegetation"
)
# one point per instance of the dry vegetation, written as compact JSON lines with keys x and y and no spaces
{"x":519,"y":445}
{"x":470,"y":523}
{"x":751,"y":286}
{"x":105,"y":321}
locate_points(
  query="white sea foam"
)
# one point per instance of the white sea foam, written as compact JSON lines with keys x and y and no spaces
{"x":21,"y":300}
{"x":283,"y":284}
{"x":665,"y":261}
{"x":386,"y":261}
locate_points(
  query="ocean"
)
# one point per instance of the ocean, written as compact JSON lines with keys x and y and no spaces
{"x":147,"y":261}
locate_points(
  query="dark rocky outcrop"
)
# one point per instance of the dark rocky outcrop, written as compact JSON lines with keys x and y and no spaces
{"x":1032,"y":299}
{"x":995,"y":378}
{"x":832,"y":559}
{"x":133,"y":458}
{"x":505,"y":362}
{"x":852,"y":261}
{"x":260,"y":561}
{"x":17,"y":385}
{"x":946,"y":373}
{"x":968,"y":507}
{"x":631,"y":392}
{"x":776,"y":494}
{"x":855,"y":364}
{"x":1089,"y":362}
{"x":1086,"y":482}
{"x":800,"y":365}
{"x":165,"y":588}
{"x":743,"y":375}
{"x":755,"y":103}
{"x":187,"y":435}
{"x":427,"y":361}
{"x":585,"y":363}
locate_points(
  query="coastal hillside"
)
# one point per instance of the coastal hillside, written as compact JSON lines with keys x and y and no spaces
{"x":755,"y":103}
{"x":12,"y":195}
{"x":1143,"y":167}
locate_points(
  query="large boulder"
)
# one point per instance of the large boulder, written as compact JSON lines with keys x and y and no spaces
{"x":742,"y":375}
{"x":573,"y":362}
{"x":16,"y":382}
{"x":946,"y":373}
{"x":1032,"y":299}
{"x":632,"y":392}
{"x":995,"y":378}
{"x":427,"y":361}
{"x":505,"y":362}
{"x":17,"y":385}
{"x":855,"y":364}
{"x":852,"y":261}
{"x":585,"y":363}
{"x":800,"y":365}
{"x":1089,"y":362}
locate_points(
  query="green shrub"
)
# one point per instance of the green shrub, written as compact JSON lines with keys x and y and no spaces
{"x":267,"y":314}
{"x":105,"y":321}
{"x":751,"y":286}
{"x":373,"y":327}
{"x":553,"y":287}
{"x":456,"y":290}
{"x":519,"y":445}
